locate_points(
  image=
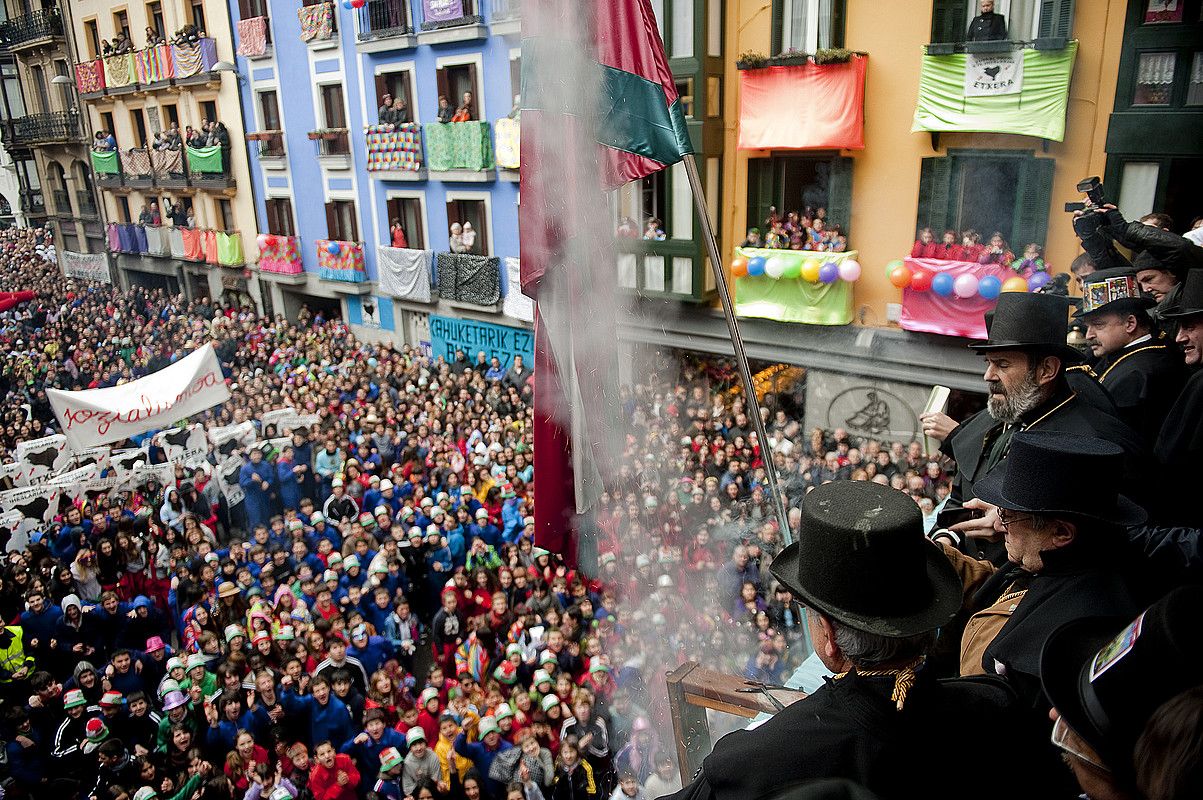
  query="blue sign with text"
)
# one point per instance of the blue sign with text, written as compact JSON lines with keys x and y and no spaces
{"x":448,"y":334}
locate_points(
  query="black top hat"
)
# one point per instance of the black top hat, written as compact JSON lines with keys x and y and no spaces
{"x":1107,"y":677}
{"x":1112,"y":291}
{"x":1190,"y":301}
{"x":861,"y":559}
{"x":1054,"y":473}
{"x":1027,"y":321}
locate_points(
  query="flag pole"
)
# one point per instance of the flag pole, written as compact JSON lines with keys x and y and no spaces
{"x":741,"y":357}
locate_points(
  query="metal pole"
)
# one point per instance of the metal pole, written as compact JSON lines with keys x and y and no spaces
{"x":741,"y":357}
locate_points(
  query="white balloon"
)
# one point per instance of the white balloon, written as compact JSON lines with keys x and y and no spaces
{"x":775,"y":267}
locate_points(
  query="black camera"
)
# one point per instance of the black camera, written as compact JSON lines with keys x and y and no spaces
{"x":1093,"y":189}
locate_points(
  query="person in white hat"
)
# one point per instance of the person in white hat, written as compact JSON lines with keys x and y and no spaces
{"x":487,"y":746}
{"x":421,"y":762}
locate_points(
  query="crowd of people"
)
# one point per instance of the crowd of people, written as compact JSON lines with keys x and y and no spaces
{"x":806,"y":230}
{"x":375,"y":619}
{"x":123,"y":43}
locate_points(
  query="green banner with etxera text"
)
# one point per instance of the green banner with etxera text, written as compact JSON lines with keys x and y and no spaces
{"x":1024,"y":92}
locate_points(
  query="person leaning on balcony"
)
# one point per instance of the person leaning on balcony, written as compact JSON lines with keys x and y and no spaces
{"x":875,"y":591}
{"x":446,"y":112}
{"x":385,"y":112}
{"x":464,"y":112}
{"x":397,"y":234}
{"x":987,"y":26}
{"x":144,"y":216}
{"x":400,"y":112}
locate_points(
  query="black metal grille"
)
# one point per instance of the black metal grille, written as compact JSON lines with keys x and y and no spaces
{"x":41,"y":24}
{"x":383,"y":18}
{"x":54,"y":126}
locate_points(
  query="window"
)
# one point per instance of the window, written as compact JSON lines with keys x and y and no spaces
{"x":987,"y":192}
{"x":121,"y":23}
{"x":225,"y":214}
{"x":92,"y":37}
{"x":471,"y":211}
{"x":1154,"y":79}
{"x":172,"y":115}
{"x":208,"y":109}
{"x":279,"y":217}
{"x":454,"y":81}
{"x":408,"y":212}
{"x":248,"y":9}
{"x":154,"y":18}
{"x":66,"y":91}
{"x":397,"y":84}
{"x":653,"y":200}
{"x":682,"y":29}
{"x":1138,"y":188}
{"x":685,"y":92}
{"x":1194,"y":90}
{"x":340,"y":221}
{"x":198,"y":15}
{"x":810,"y":25}
{"x":1025,"y":19}
{"x":14,"y":100}
{"x":269,"y":111}
{"x":800,"y":184}
{"x":41,"y":95}
{"x":138,"y":126}
{"x":123,"y":209}
{"x":515,"y":75}
{"x":106,"y":122}
{"x":714,"y":96}
{"x":334,"y":113}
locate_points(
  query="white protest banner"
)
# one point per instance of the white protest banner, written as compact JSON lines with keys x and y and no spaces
{"x":124,"y":462}
{"x":163,"y":474}
{"x":75,"y":483}
{"x":227,"y":476}
{"x":231,"y":437}
{"x":992,"y":74}
{"x":48,"y":453}
{"x":289,"y":419}
{"x":186,"y":446}
{"x":9,"y":472}
{"x":18,"y":527}
{"x":39,"y":503}
{"x":100,"y":456}
{"x":102,"y":416}
{"x":89,"y":266}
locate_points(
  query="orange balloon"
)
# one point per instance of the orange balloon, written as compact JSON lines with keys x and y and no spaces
{"x":900,"y":277}
{"x":1016,"y":284}
{"x":739,"y":266}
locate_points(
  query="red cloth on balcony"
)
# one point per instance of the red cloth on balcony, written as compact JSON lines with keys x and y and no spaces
{"x":803,"y":107}
{"x":193,"y":247}
{"x":209,"y":240}
{"x":928,"y":312}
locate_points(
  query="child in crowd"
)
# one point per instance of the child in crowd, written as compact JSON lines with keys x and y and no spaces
{"x":997,"y":252}
{"x":1031,"y":262}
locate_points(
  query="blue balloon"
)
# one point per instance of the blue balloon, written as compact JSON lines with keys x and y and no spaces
{"x":989,"y":287}
{"x":332,"y":248}
{"x":347,"y":4}
{"x":756,"y":265}
{"x":942,"y":284}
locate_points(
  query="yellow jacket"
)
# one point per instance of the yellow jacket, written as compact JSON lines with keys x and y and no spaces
{"x":12,"y":657}
{"x":445,"y":750}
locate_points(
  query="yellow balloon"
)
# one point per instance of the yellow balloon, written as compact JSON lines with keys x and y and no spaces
{"x":1016,"y":284}
{"x":810,"y":271}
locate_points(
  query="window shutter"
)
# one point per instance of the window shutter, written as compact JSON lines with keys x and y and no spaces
{"x":381,"y":88}
{"x":1056,"y":18}
{"x":332,"y":226}
{"x":839,"y":193}
{"x":949,"y":21}
{"x":244,"y":9}
{"x":935,"y":179}
{"x":778,"y":22}
{"x":838,"y":14}
{"x":1032,"y":198}
{"x":760,"y":191}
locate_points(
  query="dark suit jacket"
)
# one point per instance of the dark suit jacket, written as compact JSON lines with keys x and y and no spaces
{"x":989,"y":27}
{"x":1144,"y":380}
{"x":1179,"y":450}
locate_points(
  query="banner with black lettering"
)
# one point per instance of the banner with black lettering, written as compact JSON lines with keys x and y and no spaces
{"x":227,"y":480}
{"x":289,"y":419}
{"x":186,"y":446}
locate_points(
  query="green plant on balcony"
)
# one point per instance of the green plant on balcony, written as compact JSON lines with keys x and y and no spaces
{"x":832,"y":55}
{"x":751,"y":60}
{"x":325,"y":134}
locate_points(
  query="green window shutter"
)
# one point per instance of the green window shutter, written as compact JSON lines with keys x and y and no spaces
{"x":778,"y":23}
{"x":949,"y":20}
{"x":1032,"y":197}
{"x":935,"y":181}
{"x":839,"y":193}
{"x":839,"y":9}
{"x":760,"y":191}
{"x":1056,"y":18}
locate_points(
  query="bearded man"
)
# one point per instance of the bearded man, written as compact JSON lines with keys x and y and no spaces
{"x":1026,"y":359}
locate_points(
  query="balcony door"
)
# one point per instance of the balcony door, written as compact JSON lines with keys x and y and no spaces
{"x":41,"y":91}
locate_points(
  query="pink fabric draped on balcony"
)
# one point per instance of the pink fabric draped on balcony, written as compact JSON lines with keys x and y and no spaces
{"x":89,"y":76}
{"x":317,"y":22}
{"x":209,"y":241}
{"x":154,"y":64}
{"x":252,"y":36}
{"x":136,"y":162}
{"x":929,"y":312}
{"x":803,"y":107}
{"x":280,"y":254}
{"x":194,"y":249}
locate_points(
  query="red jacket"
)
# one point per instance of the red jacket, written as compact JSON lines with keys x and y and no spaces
{"x":921,"y":250}
{"x":324,"y":782}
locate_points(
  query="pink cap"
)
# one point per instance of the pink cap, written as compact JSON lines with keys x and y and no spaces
{"x":154,"y":644}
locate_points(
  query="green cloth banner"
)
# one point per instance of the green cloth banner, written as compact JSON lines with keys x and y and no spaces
{"x":794,"y":300}
{"x":204,"y":159}
{"x":105,"y":161}
{"x":458,"y":145}
{"x":1038,"y":109}
{"x":229,"y":249}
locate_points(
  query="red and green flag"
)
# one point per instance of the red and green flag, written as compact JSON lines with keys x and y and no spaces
{"x":599,"y":109}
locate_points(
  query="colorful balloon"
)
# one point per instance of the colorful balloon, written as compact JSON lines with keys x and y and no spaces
{"x":739,"y":266}
{"x":271,"y":241}
{"x":849,"y":269}
{"x":810,"y":271}
{"x":829,"y":272}
{"x":989,"y":287}
{"x":775,"y":267}
{"x":965,"y":286}
{"x":358,"y":3}
{"x":756,"y":265}
{"x":921,"y":280}
{"x":942,"y":284}
{"x":332,"y":248}
{"x":893,"y":265}
{"x":793,"y":269}
{"x":901,"y":276}
{"x":1016,"y":284}
{"x":1038,"y":280}
{"x":347,"y":4}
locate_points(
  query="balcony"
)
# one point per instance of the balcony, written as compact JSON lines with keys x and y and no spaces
{"x":167,"y":167}
{"x":86,"y":203}
{"x":664,"y":269}
{"x":255,"y":37}
{"x":280,"y":257}
{"x":196,"y":245}
{"x":34,"y":202}
{"x":135,"y":164}
{"x":50,"y":128}
{"x":506,"y":19}
{"x":451,"y":21}
{"x":341,"y":263}
{"x":333,"y":147}
{"x":319,"y":26}
{"x":385,"y":25}
{"x":148,"y":70}
{"x":506,"y":144}
{"x":395,"y":152}
{"x":208,"y":167}
{"x":270,"y":147}
{"x":38,"y":28}
{"x":459,"y":151}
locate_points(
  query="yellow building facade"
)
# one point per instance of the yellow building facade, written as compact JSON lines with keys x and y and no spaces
{"x":885,"y":199}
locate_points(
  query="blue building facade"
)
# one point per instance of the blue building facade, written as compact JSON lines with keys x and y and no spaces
{"x":313,"y":81}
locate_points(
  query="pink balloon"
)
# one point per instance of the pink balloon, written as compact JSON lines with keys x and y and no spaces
{"x":849,"y":270}
{"x":965,"y":286}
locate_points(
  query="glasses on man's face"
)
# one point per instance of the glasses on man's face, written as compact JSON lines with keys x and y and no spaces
{"x":1062,"y":740}
{"x":1006,"y":521}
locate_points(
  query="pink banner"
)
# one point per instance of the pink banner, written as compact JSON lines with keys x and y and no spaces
{"x":280,"y":254}
{"x":928,"y":312}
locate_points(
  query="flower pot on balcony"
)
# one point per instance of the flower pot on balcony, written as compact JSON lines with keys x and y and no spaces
{"x":315,"y":135}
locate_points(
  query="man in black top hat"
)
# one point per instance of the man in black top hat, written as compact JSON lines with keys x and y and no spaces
{"x":1062,"y":519}
{"x":1140,"y":370}
{"x":1179,"y":447}
{"x":874,"y":592}
{"x":1026,"y":357}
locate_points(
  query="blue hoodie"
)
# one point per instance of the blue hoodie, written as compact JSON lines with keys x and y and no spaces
{"x":331,"y":721}
{"x":373,"y":655}
{"x":367,"y":756}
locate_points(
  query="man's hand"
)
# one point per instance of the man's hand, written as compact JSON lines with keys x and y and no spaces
{"x":937,"y":425}
{"x":343,"y":778}
{"x":985,"y":527}
{"x":361,"y":738}
{"x":24,"y":741}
